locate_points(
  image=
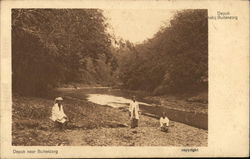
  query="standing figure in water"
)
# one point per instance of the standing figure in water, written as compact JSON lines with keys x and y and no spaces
{"x":134,"y":113}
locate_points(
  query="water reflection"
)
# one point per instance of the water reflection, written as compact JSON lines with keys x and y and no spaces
{"x":110,"y":100}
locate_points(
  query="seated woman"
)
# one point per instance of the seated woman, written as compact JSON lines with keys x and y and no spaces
{"x":58,"y":115}
{"x":164,"y":122}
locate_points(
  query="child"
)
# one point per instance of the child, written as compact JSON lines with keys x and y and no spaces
{"x":164,"y":122}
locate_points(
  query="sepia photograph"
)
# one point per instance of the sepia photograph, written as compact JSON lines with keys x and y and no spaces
{"x":124,"y":78}
{"x":109,"y":77}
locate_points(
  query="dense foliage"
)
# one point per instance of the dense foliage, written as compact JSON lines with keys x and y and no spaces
{"x":174,"y":60}
{"x":54,"y":46}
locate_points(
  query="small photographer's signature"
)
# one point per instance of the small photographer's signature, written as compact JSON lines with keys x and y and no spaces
{"x":190,"y":150}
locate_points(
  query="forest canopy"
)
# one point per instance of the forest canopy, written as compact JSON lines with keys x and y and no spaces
{"x":55,"y":46}
{"x":51,"y":47}
{"x":174,"y":60}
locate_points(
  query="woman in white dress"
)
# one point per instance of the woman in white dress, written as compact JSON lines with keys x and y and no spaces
{"x":58,"y":115}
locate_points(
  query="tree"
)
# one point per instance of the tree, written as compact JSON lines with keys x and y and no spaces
{"x":174,"y":60}
{"x":49,"y":47}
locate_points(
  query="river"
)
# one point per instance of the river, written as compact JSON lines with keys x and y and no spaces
{"x":111,"y":100}
{"x":121,"y":98}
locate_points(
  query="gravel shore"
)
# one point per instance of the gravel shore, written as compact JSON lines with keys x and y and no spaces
{"x":94,"y":125}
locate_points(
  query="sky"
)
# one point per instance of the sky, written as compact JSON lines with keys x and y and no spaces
{"x":136,"y":25}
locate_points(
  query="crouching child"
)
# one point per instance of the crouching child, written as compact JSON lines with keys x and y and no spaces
{"x":164,"y":123}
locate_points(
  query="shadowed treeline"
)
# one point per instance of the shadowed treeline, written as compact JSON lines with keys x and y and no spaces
{"x":174,"y":60}
{"x":51,"y":47}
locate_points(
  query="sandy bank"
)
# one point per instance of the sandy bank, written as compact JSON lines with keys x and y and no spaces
{"x":99,"y":126}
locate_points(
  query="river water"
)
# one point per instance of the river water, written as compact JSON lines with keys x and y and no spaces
{"x":119,"y":98}
{"x":111,"y":100}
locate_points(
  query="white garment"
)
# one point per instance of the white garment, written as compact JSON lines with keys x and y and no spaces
{"x":134,"y":110}
{"x":58,"y":114}
{"x":164,"y":121}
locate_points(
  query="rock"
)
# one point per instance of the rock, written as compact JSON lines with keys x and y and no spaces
{"x":27,"y":123}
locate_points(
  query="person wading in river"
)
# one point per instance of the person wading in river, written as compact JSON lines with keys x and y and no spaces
{"x":58,"y":115}
{"x":134,"y":113}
